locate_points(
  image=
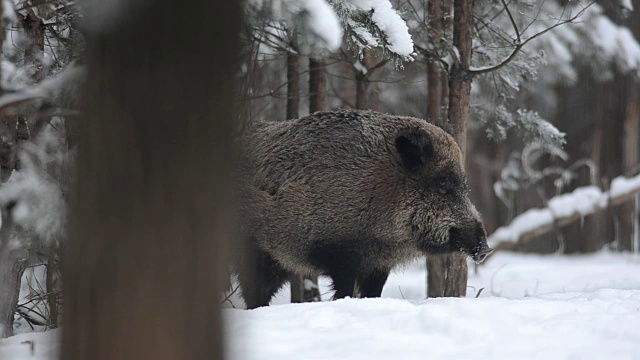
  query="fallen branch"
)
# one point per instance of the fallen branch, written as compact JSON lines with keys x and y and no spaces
{"x":563,"y":210}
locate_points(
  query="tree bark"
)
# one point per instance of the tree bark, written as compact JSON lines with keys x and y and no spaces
{"x":317,"y":86}
{"x":34,"y":53}
{"x":434,"y":78}
{"x":146,"y":260}
{"x":436,"y":265}
{"x":293,"y":82}
{"x":12,"y":266}
{"x":52,"y":300}
{"x":13,"y":258}
{"x":446,"y":27}
{"x":362,"y":91}
{"x":631,"y":146}
{"x":363,"y":83}
{"x":454,"y":282}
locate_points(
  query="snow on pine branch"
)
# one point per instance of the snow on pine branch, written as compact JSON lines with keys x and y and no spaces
{"x":313,"y":19}
{"x":390,"y":23}
{"x":565,"y":209}
{"x":528,"y":125}
{"x":40,"y":188}
{"x":324,"y":22}
{"x":375,"y":24}
{"x":595,"y":40}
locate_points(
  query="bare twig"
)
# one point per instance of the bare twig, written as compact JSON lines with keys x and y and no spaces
{"x":519,"y":46}
{"x":513,"y":22}
{"x":228,"y":297}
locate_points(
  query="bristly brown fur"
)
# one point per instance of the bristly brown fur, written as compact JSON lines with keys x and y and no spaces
{"x":350,"y":194}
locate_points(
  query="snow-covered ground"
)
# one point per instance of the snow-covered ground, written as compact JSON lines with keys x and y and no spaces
{"x":531,"y":307}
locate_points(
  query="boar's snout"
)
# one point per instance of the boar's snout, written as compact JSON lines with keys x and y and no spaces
{"x":481,"y":254}
{"x":472,"y":241}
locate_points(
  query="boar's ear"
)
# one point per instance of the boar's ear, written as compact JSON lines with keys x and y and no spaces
{"x":415,"y":148}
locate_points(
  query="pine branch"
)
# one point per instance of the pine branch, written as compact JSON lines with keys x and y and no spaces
{"x":521,"y":44}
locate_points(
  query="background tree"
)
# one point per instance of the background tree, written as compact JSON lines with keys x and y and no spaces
{"x":507,"y":42}
{"x":38,"y":93}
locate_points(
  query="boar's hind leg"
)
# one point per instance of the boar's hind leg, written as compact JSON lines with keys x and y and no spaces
{"x":260,"y":278}
{"x":371,"y":284}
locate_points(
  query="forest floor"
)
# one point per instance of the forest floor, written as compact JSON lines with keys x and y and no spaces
{"x":530,"y":307}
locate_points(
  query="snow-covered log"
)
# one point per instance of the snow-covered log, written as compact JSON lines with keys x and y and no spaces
{"x":565,"y":209}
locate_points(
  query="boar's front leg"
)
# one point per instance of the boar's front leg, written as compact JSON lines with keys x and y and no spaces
{"x":341,"y":262}
{"x":371,"y":283}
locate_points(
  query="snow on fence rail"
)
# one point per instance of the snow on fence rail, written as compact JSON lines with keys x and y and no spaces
{"x":564,"y":209}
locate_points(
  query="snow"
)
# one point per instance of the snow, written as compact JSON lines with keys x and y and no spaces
{"x":363,"y":34}
{"x":318,"y":15}
{"x":582,"y":201}
{"x":324,"y":22}
{"x":309,"y":285}
{"x":393,"y":26}
{"x":31,"y":346}
{"x":531,"y":307}
{"x":615,"y":41}
{"x":549,"y":327}
{"x":523,"y":223}
{"x":361,"y":68}
{"x":622,"y":186}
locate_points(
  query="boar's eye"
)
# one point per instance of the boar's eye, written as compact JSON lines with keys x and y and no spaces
{"x":444,"y":185}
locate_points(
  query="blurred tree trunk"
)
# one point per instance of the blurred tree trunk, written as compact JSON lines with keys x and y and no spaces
{"x":447,"y":26}
{"x":12,"y":266}
{"x":317,"y":86}
{"x":34,"y":55}
{"x":305,"y":289}
{"x":13,"y":251}
{"x":450,"y":278}
{"x":631,"y":149}
{"x":436,"y":265}
{"x":13,"y":258}
{"x":362,"y":85}
{"x":434,"y":78}
{"x":617,"y":161}
{"x":146,"y":257}
{"x":630,"y":141}
{"x":34,"y":52}
{"x":293,"y":81}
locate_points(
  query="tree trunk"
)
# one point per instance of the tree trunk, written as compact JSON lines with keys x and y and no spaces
{"x":362,"y":75}
{"x":446,"y":24}
{"x":362,"y":91}
{"x":436,"y":269}
{"x":631,"y":147}
{"x":454,"y":266}
{"x":146,"y":259}
{"x":631,"y":133}
{"x":293,"y":83}
{"x":317,"y":86}
{"x":52,"y":300}
{"x":34,"y":53}
{"x":434,"y":78}
{"x":12,"y":266}
{"x":13,"y":257}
